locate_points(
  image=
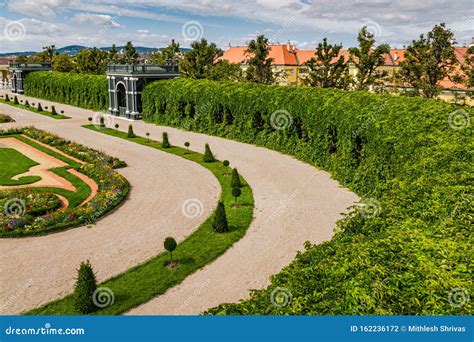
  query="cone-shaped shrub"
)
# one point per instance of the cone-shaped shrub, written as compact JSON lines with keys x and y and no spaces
{"x":208,"y":156}
{"x":236,"y":183}
{"x":130,"y":133}
{"x":39,"y":108}
{"x":53,"y":111}
{"x":7,"y":98}
{"x":86,"y":284}
{"x":220,"y":219}
{"x":165,"y":142}
{"x":27,"y":104}
{"x":170,"y":245}
{"x":102,"y":122}
{"x":15,"y":100}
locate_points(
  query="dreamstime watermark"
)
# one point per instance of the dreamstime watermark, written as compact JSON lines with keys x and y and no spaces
{"x":192,"y":208}
{"x":192,"y":30}
{"x":14,"y":207}
{"x":458,"y":297}
{"x":281,"y":297}
{"x":19,"y":293}
{"x":14,"y":31}
{"x":373,"y":28}
{"x":281,"y":119}
{"x":103,"y":297}
{"x":369,"y":208}
{"x":101,"y":120}
{"x":459,"y":119}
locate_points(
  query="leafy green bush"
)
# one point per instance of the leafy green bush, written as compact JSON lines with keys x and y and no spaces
{"x":130,"y":133}
{"x":165,"y":143}
{"x":398,"y":153}
{"x":86,"y":285}
{"x":81,"y":90}
{"x":208,"y":156}
{"x":226,"y":163}
{"x":170,"y":245}
{"x":236,"y":183}
{"x":220,"y":219}
{"x":236,"y":192}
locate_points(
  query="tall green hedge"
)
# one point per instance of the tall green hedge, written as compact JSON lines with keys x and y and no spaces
{"x":81,"y":90}
{"x":409,"y":251}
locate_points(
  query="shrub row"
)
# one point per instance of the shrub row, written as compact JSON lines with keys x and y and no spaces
{"x":407,"y":250}
{"x":85,"y":91}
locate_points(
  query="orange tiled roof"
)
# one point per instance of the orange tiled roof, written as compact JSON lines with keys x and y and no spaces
{"x":281,"y":55}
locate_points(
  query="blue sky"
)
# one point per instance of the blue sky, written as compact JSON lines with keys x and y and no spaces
{"x":32,"y":24}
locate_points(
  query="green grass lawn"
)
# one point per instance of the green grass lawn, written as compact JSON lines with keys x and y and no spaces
{"x":14,"y":163}
{"x":141,"y":283}
{"x":34,"y":110}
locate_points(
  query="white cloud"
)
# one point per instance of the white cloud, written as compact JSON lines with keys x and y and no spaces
{"x":97,"y":19}
{"x":41,"y":8}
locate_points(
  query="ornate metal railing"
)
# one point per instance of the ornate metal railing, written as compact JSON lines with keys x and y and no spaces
{"x":142,"y":68}
{"x":13,"y":64}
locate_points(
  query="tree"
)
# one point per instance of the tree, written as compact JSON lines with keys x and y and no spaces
{"x":116,"y":126}
{"x":226,"y":163}
{"x":198,"y":62}
{"x":428,"y":60}
{"x":130,"y":133}
{"x":21,"y":59}
{"x":187,"y":144}
{"x":147,"y":136}
{"x":166,"y":56}
{"x":86,"y":285}
{"x":91,"y":61}
{"x":219,"y":223}
{"x":468,"y":67}
{"x":170,"y":245}
{"x":208,"y":156}
{"x":112,"y":55}
{"x":165,"y":142}
{"x":15,"y":100}
{"x":225,"y":71}
{"x":259,"y":65}
{"x":46,"y":56}
{"x":130,"y":55}
{"x":236,"y":183}
{"x":62,"y":63}
{"x":329,"y":69}
{"x":236,"y":192}
{"x":367,"y":58}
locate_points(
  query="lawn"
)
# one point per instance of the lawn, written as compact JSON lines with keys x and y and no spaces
{"x":14,"y":163}
{"x":142,"y":283}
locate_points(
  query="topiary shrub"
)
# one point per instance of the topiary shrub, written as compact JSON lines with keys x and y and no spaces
{"x":15,"y":100}
{"x":116,"y":126}
{"x":39,"y":108}
{"x":90,"y":119}
{"x":130,"y":133}
{"x":7,"y":98}
{"x":170,"y":245}
{"x":27,"y":104}
{"x":187,"y":144}
{"x":236,"y":192}
{"x":226,"y":163}
{"x":165,"y":142}
{"x":219,"y":223}
{"x":53,"y":111}
{"x":208,"y":156}
{"x":86,"y":284}
{"x":102,"y":122}
{"x":236,"y":183}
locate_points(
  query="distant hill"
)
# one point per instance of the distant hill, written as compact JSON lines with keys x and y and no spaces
{"x":74,"y":49}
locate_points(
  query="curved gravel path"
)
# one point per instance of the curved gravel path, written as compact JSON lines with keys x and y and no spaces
{"x":294,"y":203}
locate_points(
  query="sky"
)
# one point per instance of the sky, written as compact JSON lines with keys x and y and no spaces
{"x":32,"y":24}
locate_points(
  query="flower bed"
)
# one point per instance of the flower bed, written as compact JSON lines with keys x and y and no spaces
{"x":36,"y":211}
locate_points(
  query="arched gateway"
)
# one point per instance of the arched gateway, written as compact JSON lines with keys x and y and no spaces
{"x":126,"y":83}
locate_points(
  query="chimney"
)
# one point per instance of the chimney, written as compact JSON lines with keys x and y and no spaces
{"x":288,"y":46}
{"x":395,"y":56}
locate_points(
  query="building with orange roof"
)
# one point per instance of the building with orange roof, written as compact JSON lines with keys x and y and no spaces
{"x":289,"y":64}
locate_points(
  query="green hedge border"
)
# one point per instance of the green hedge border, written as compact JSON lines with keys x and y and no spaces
{"x":34,"y":110}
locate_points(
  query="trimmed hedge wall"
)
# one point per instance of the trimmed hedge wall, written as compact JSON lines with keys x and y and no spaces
{"x":85,"y":91}
{"x":413,"y":253}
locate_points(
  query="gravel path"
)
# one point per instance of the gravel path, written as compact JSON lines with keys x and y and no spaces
{"x":294,"y":203}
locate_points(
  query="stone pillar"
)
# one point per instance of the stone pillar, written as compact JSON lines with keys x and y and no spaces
{"x":127,"y":96}
{"x":19,"y":81}
{"x":133,"y":91}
